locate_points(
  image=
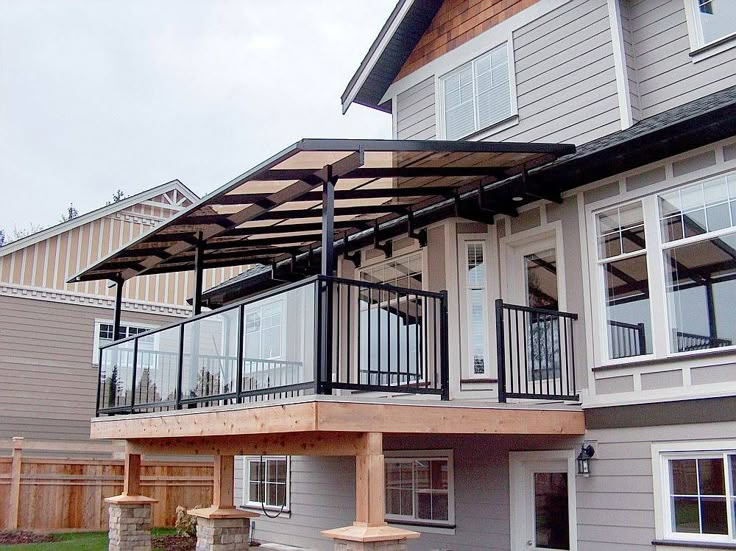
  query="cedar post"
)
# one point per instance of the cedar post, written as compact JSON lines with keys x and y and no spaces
{"x":15,"y":473}
{"x":370,"y":503}
{"x":224,"y":479}
{"x":132,"y":476}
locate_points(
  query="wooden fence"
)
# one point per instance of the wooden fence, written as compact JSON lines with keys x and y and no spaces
{"x":43,"y":490}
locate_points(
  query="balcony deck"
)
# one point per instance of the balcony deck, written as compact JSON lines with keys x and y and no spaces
{"x":296,"y":425}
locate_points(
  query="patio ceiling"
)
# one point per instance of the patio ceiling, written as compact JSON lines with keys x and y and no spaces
{"x":274,"y":211}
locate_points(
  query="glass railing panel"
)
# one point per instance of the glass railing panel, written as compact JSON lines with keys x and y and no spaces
{"x":210,"y":356}
{"x":279,"y":340}
{"x":157,"y":364}
{"x":116,"y":375}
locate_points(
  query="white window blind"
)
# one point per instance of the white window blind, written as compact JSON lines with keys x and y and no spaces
{"x":478,"y":94}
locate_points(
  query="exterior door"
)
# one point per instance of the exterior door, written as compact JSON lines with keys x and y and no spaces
{"x":534,"y":270}
{"x":543,"y":501}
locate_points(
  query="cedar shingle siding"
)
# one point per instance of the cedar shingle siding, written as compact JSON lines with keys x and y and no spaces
{"x":456,"y":22}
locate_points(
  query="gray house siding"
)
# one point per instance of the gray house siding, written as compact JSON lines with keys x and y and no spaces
{"x":666,"y":72}
{"x":565,"y":81}
{"x":47,"y":380}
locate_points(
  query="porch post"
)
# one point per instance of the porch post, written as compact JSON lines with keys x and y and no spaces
{"x":117,"y":308}
{"x":130,"y":513}
{"x":327,"y":269}
{"x":370,"y":532}
{"x":222,"y":526}
{"x":198,"y":273}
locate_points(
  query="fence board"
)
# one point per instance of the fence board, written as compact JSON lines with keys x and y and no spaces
{"x":60,"y":493}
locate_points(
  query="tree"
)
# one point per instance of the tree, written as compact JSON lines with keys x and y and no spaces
{"x":117,"y":196}
{"x":2,"y":238}
{"x":70,"y":213}
{"x":25,"y":232}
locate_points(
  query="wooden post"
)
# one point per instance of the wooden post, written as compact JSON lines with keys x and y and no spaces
{"x":15,"y":473}
{"x":132,"y":476}
{"x":224,"y":478}
{"x":370,"y":505}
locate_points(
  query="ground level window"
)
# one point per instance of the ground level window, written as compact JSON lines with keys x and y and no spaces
{"x":419,"y":489}
{"x":267,"y":482}
{"x":700,"y":495}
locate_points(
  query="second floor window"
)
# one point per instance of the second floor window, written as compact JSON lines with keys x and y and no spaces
{"x":622,"y":254}
{"x":713,"y":20}
{"x":478,"y":94}
{"x":476,"y":289}
{"x":104,"y":336}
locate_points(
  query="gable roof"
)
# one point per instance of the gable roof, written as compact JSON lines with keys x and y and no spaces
{"x":82,"y":219}
{"x":388,"y":53}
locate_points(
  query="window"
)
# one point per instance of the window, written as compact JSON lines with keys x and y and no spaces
{"x":698,"y":225}
{"x":419,"y":488}
{"x":622,"y":257}
{"x":712,"y":20}
{"x":263,"y":331}
{"x":104,"y":336}
{"x":478,"y":94}
{"x":698,"y":495}
{"x":477,"y":307}
{"x":267,"y":482}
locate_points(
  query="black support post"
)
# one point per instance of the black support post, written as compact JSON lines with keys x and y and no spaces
{"x":198,"y":273}
{"x":117,"y":309}
{"x":500,"y":352}
{"x":326,"y":285}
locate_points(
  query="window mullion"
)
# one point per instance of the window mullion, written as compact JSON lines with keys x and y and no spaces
{"x":476,"y":115}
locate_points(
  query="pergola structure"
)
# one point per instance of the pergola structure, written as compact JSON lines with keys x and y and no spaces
{"x":296,"y":211}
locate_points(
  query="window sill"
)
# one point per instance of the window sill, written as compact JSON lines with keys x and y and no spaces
{"x":286,"y":513}
{"x":713,"y":48}
{"x":694,"y":544}
{"x":674,"y":358}
{"x":488,"y":131}
{"x":479,"y":380}
{"x":426,"y":527}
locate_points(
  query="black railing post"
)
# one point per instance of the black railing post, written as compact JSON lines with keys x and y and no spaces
{"x":500,"y":352}
{"x":444,"y":347}
{"x":99,"y":383}
{"x":135,"y":370}
{"x":642,"y":338}
{"x":180,"y":367}
{"x":328,"y":266}
{"x":317,"y":368}
{"x":117,"y":308}
{"x":239,"y":355}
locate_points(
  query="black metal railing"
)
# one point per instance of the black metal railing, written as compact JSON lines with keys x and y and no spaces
{"x":320,"y":335}
{"x":535,"y":349}
{"x":627,"y":339}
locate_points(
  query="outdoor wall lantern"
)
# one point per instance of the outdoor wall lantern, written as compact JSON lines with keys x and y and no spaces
{"x":583,"y":459}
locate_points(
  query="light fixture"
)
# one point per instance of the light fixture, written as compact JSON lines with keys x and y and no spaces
{"x":583,"y":459}
{"x":517,"y":198}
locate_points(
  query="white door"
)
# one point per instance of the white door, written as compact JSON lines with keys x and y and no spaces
{"x":534,"y":274}
{"x":543,"y":501}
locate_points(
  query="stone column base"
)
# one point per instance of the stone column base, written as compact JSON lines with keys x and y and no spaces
{"x":370,"y":538}
{"x":222,"y":529}
{"x":130,"y":523}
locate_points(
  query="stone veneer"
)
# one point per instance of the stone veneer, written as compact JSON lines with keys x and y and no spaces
{"x":396,"y":545}
{"x":130,"y":527}
{"x":222,"y":534}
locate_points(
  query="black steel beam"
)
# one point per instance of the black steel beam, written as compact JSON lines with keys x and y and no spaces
{"x":400,"y":172}
{"x":338,"y":211}
{"x":117,"y":309}
{"x":345,"y":194}
{"x":198,"y":275}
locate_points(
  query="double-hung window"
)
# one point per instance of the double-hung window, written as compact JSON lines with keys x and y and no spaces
{"x":419,"y":488}
{"x":478,"y":94}
{"x":267,"y":482}
{"x":698,"y":225}
{"x":711,"y":21}
{"x":104,"y":336}
{"x":697,"y":498}
{"x":622,"y":259}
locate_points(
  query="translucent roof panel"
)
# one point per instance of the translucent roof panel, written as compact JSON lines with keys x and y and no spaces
{"x":274,"y":211}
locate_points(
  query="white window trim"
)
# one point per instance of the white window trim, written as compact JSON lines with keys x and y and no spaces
{"x":661,"y":338}
{"x":699,"y":49}
{"x":247,"y":503}
{"x":484,"y":132}
{"x":427,"y":454}
{"x":100,"y":321}
{"x":661,"y":453}
{"x":284,"y":317}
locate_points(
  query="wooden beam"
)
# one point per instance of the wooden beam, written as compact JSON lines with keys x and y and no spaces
{"x":338,"y":416}
{"x":15,"y":475}
{"x":295,"y":443}
{"x":224,"y":479}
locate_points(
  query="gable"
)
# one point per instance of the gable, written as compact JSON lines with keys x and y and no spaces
{"x":457,"y":22}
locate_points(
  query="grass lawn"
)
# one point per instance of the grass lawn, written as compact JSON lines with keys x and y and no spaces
{"x":80,"y":541}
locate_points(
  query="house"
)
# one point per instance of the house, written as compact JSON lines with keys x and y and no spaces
{"x":51,"y":331}
{"x":509,"y":327}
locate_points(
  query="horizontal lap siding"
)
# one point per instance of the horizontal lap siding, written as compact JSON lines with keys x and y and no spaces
{"x":666,"y":73}
{"x":616,"y":504}
{"x":565,"y":80}
{"x":47,"y":380}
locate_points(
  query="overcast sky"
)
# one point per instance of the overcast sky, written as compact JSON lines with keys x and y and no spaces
{"x":100,"y":95}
